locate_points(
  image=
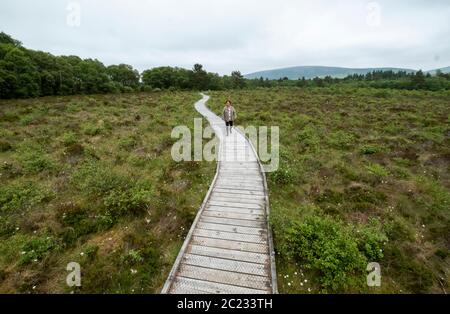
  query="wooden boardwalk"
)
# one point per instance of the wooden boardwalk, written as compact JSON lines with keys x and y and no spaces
{"x":229,"y":247}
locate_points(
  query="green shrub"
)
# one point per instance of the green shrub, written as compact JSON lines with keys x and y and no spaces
{"x":9,"y":117}
{"x":98,"y":179}
{"x":341,"y":139}
{"x":92,"y":129}
{"x":37,"y":248}
{"x":377,"y":170}
{"x":283,"y":175}
{"x":301,"y":120}
{"x":143,"y":250}
{"x":27,"y":120}
{"x":310,"y":136}
{"x":369,"y":149}
{"x":21,"y":195}
{"x":397,"y":229}
{"x":77,"y":218}
{"x":131,"y":201}
{"x":90,"y":252}
{"x":371,"y":240}
{"x":77,"y":221}
{"x":69,"y":138}
{"x":326,"y":246}
{"x":35,"y":161}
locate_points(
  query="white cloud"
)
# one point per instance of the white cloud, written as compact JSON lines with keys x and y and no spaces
{"x":248,"y":35}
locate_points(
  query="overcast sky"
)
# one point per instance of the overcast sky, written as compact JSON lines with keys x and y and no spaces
{"x":248,"y":35}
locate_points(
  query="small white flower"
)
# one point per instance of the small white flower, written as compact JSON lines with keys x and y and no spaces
{"x":289,"y":284}
{"x":82,"y":253}
{"x":34,"y":287}
{"x":301,"y":284}
{"x":309,"y":289}
{"x":306,"y":280}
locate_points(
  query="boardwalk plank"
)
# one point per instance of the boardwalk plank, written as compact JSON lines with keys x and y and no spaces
{"x":234,"y":222}
{"x":252,"y":238}
{"x":238,"y":191}
{"x":182,"y":285}
{"x":238,"y":210}
{"x":230,"y":245}
{"x":225,"y":277}
{"x":224,"y":264}
{"x":233,"y":204}
{"x":258,"y":258}
{"x":230,"y":228}
{"x":212,"y":213}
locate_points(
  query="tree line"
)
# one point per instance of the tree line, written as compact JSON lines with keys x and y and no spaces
{"x":376,"y":79}
{"x":30,"y":73}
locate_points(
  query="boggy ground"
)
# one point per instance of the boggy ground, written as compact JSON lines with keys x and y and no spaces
{"x":364,"y":177}
{"x":90,"y":179}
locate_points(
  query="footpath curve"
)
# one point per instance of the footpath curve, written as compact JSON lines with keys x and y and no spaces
{"x":229,"y":246}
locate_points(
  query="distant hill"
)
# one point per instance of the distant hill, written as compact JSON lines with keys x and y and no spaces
{"x":443,"y":70}
{"x":314,"y":71}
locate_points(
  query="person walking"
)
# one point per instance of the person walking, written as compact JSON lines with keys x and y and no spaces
{"x":229,"y":115}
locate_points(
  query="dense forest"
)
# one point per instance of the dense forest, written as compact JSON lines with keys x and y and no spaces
{"x":29,"y":73}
